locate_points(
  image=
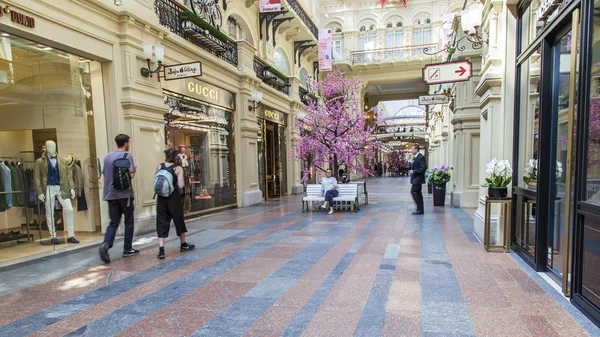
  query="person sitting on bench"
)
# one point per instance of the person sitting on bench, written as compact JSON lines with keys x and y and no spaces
{"x":329,"y":190}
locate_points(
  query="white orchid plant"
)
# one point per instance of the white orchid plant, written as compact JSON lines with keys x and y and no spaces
{"x":531,"y":171}
{"x":498,"y":173}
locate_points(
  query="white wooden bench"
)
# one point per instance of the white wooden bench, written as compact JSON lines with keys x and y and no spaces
{"x":347,"y":196}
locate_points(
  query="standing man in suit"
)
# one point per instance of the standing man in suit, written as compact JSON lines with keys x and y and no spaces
{"x":417,"y":178}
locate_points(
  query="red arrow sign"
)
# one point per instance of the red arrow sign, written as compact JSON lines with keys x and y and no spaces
{"x":448,"y":72}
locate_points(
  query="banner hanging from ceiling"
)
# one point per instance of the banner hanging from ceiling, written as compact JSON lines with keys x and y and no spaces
{"x":325,"y":49}
{"x":270,"y":6}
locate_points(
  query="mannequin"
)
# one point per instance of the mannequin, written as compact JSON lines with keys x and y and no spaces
{"x":53,"y":179}
{"x":183,"y":157}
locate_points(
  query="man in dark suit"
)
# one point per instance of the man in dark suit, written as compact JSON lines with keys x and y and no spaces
{"x":417,"y":178}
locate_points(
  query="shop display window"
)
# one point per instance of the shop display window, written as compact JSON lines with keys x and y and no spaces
{"x":46,"y":95}
{"x":203,"y":134}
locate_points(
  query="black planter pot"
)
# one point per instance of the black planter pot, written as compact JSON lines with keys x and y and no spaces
{"x":439,"y":195}
{"x":497,"y":192}
{"x":429,"y":188}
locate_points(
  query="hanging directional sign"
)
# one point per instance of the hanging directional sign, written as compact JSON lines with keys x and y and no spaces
{"x":447,"y":72}
{"x":433,"y":99}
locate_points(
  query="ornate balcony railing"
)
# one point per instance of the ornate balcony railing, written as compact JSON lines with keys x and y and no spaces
{"x":405,"y":53}
{"x":184,"y":23}
{"x":304,"y":17}
{"x":271,"y":76}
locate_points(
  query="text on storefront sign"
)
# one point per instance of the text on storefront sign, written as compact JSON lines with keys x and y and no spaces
{"x":18,"y":17}
{"x":204,"y":91}
{"x":201,"y":91}
{"x":272,"y":114}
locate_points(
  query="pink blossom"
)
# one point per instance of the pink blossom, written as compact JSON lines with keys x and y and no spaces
{"x":333,"y":129}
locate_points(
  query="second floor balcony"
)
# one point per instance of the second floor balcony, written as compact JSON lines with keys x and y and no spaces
{"x":388,"y":55}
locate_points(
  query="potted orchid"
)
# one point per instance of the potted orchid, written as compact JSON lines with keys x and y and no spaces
{"x":498,"y":176}
{"x":439,"y":176}
{"x":530,"y":174}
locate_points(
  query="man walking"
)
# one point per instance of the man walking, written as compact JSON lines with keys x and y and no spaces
{"x":118,"y":192}
{"x":417,"y":178}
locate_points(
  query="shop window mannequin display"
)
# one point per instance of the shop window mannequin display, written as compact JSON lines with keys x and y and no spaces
{"x":53,"y":179}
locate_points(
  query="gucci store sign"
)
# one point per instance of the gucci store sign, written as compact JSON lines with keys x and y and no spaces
{"x":202,"y":92}
{"x":272,"y":115}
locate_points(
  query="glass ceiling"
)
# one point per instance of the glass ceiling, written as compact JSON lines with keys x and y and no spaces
{"x":393,"y":112}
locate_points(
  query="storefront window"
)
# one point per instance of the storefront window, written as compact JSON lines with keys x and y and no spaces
{"x":593,"y":143}
{"x":203,"y":134}
{"x":529,"y":109}
{"x":46,"y":95}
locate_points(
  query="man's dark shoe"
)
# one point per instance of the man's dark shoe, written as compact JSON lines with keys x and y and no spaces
{"x":55,"y":241}
{"x":418,"y":212}
{"x":130,"y":252}
{"x":72,"y":240}
{"x":186,"y":247}
{"x":103,"y":251}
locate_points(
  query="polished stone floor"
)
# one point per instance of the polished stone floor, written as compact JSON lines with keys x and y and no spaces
{"x":271,"y":270}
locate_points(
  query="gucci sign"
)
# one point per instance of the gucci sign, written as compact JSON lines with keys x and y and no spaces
{"x":201,"y":91}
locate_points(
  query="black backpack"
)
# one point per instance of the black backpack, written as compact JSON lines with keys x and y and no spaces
{"x":121,"y":177}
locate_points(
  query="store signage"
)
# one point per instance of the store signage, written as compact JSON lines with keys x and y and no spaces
{"x":202,"y":92}
{"x":270,"y":6}
{"x":18,"y":17}
{"x":183,"y":70}
{"x":272,"y":115}
{"x":433,"y":99}
{"x":325,"y":49}
{"x":448,"y":72}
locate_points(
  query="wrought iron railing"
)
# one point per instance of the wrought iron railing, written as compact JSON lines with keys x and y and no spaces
{"x":169,"y":15}
{"x":270,"y":76}
{"x":406,"y":53}
{"x":304,"y":17}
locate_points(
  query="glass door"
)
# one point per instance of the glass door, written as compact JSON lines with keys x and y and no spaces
{"x":565,"y":53}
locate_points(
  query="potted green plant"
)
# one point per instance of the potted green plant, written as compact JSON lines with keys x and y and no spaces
{"x":498,"y":176}
{"x":439,"y":177}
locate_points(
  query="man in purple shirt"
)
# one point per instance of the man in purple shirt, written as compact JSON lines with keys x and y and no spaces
{"x":120,"y":202}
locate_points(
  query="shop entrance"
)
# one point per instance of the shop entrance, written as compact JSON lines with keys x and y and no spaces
{"x":272,"y":160}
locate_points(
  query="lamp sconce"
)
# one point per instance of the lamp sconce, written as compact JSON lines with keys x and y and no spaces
{"x":470,"y":22}
{"x":256,"y":98}
{"x":159,"y":52}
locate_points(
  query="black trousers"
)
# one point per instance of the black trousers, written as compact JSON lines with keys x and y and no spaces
{"x":416,"y":191}
{"x":167,"y":209}
{"x":117,"y":208}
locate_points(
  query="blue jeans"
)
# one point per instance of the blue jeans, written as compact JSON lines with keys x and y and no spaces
{"x":329,"y":195}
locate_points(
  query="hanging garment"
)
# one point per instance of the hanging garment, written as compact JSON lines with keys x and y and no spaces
{"x":81,"y":202}
{"x":5,"y":175}
{"x":78,"y":179}
{"x":2,"y":196}
{"x":16,"y":186}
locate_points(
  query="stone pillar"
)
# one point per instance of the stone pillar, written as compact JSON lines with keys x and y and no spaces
{"x":295,"y":168}
{"x":496,"y":92}
{"x":466,"y":149}
{"x":246,"y":129}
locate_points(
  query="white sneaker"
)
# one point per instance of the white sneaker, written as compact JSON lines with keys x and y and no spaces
{"x":330,"y":212}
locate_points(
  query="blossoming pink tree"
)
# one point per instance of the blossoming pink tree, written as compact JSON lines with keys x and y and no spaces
{"x":333,"y":130}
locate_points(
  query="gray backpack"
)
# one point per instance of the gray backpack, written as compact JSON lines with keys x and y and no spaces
{"x":164,"y":181}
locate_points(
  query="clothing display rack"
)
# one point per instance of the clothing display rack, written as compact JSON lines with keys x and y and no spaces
{"x":16,"y":236}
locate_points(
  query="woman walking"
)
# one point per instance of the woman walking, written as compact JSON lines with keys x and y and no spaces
{"x":171,"y":207}
{"x":329,"y":186}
